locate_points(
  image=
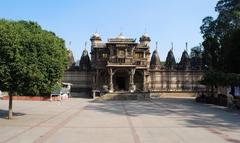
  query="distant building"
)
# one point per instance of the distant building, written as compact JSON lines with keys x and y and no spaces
{"x":123,"y":64}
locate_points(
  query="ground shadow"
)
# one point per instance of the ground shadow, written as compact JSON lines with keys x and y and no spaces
{"x":195,"y":114}
{"x":4,"y":114}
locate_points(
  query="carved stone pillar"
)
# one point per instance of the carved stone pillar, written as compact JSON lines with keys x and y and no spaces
{"x":110,"y":80}
{"x":144,"y":81}
{"x":97,"y":79}
{"x":94,"y":81}
{"x":131,"y":81}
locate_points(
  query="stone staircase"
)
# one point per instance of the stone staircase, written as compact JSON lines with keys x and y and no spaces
{"x":125,"y":96}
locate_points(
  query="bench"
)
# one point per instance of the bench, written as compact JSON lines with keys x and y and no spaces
{"x":61,"y":93}
{"x":94,"y":93}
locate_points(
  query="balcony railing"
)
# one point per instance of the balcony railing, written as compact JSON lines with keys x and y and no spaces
{"x":128,"y":61}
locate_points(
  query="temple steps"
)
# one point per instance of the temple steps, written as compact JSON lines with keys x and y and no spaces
{"x":144,"y":95}
{"x":125,"y":96}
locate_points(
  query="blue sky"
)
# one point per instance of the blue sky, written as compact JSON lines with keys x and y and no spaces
{"x":165,"y":21}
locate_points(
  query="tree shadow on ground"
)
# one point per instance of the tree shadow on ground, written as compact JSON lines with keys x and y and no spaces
{"x":194,"y":114}
{"x":4,"y":114}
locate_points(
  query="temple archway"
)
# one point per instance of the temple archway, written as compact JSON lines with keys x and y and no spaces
{"x":121,"y":80}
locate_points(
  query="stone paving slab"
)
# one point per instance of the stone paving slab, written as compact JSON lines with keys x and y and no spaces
{"x":92,"y":135}
{"x":85,"y":121}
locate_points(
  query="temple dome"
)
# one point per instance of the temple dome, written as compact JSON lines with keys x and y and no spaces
{"x":85,"y":63}
{"x":170,"y":60}
{"x":145,"y":37}
{"x":120,"y":36}
{"x":95,"y":36}
{"x":155,"y":60}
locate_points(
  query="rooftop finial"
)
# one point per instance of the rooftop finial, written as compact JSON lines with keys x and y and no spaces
{"x":121,"y":31}
{"x":96,"y":30}
{"x":156,"y":45}
{"x":85,"y":45}
{"x":120,"y":36}
{"x":172,"y":46}
{"x":186,"y":47}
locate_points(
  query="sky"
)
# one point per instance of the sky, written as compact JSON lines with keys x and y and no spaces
{"x":165,"y":21}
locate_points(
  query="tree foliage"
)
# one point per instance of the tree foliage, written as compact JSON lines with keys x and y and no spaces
{"x":219,"y":33}
{"x":231,"y":52}
{"x":32,"y":60}
{"x":196,"y":52}
{"x":213,"y":78}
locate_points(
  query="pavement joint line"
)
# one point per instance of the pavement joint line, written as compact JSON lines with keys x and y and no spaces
{"x":212,"y":130}
{"x":60,"y":125}
{"x":132,"y":128}
{"x":38,"y":124}
{"x":182,"y":139}
{"x":222,"y":135}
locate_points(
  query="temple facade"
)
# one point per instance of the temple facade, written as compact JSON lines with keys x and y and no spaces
{"x":125,"y":65}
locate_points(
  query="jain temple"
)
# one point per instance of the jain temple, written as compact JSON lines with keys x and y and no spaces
{"x":125,"y":65}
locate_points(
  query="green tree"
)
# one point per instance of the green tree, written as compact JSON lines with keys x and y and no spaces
{"x":32,"y":60}
{"x":231,"y":52}
{"x":222,"y":45}
{"x":196,"y":57}
{"x":217,"y":31}
{"x":196,"y":51}
{"x":212,"y":54}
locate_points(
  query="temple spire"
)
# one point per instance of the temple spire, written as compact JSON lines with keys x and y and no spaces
{"x":172,"y":46}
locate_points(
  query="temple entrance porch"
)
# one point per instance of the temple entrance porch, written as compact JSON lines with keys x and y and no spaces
{"x":121,"y":81}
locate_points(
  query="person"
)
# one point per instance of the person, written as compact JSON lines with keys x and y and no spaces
{"x":237,"y":97}
{"x":230,"y":98}
{"x":236,"y":91}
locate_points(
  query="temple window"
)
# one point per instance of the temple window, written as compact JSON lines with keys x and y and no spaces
{"x":104,"y":55}
{"x":129,"y":51}
{"x":121,"y":60}
{"x":138,"y":55}
{"x":121,"y":52}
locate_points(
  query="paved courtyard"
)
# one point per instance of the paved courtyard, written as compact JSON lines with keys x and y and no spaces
{"x":86,"y":121}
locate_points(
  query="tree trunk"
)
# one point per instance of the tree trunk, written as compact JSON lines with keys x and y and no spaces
{"x":10,"y":113}
{"x":212,"y":91}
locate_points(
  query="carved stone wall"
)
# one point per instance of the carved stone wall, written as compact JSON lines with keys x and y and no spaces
{"x":81,"y":80}
{"x":157,"y":81}
{"x":174,"y":80}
